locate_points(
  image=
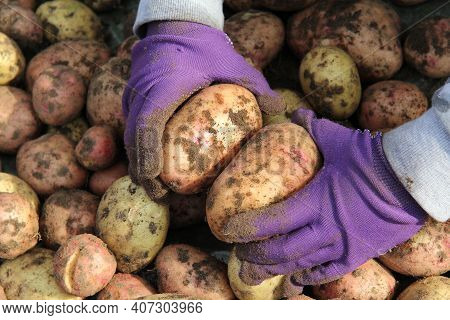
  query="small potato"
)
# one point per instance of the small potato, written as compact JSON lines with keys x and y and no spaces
{"x":13,"y":184}
{"x":133,"y":226}
{"x":371,"y":281}
{"x":186,"y":270}
{"x":101,"y":180}
{"x":293,"y":102}
{"x":12,"y":61}
{"x":388,"y":104}
{"x":104,"y":101}
{"x":279,"y":160}
{"x":427,"y":47}
{"x":427,"y":253}
{"x":48,"y":164}
{"x":205,"y":134}
{"x":258,"y":36}
{"x":74,"y":130}
{"x":97,"y":149}
{"x":102,"y":5}
{"x":65,"y":214}
{"x":126,"y":287}
{"x":186,"y":210}
{"x":69,"y":20}
{"x":30,"y":277}
{"x":18,"y":121}
{"x":125,"y":48}
{"x":83,"y":265}
{"x":2,"y":294}
{"x":432,"y":288}
{"x":331,"y":83}
{"x":59,"y":95}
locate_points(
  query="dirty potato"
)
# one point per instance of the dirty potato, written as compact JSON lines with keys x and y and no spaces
{"x":12,"y":184}
{"x":126,"y":287}
{"x":101,"y":180}
{"x":12,"y":61}
{"x":432,"y":288}
{"x":186,"y":210}
{"x":125,"y":48}
{"x":293,"y":102}
{"x":186,"y":270}
{"x":73,"y":130}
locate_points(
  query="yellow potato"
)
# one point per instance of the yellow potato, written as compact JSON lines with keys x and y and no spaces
{"x":12,"y":61}
{"x":74,"y":130}
{"x":13,"y":184}
{"x":432,"y":288}
{"x":293,"y":102}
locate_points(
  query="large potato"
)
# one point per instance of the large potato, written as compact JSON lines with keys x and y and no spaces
{"x":30,"y":277}
{"x":101,"y":180}
{"x":331,"y":83}
{"x":186,"y":210}
{"x":186,"y":270}
{"x":293,"y":102}
{"x":12,"y":61}
{"x":13,"y":184}
{"x":432,"y":288}
{"x":48,"y":164}
{"x":102,"y":5}
{"x":202,"y":137}
{"x":371,"y":281}
{"x":73,"y":130}
{"x":83,"y":56}
{"x":427,"y":253}
{"x":258,"y":36}
{"x":279,"y":160}
{"x":366,"y":29}
{"x":69,"y":20}
{"x":133,"y":226}
{"x":125,"y":286}
{"x":18,"y":121}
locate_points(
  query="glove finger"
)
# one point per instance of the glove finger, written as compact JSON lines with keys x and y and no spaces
{"x":321,"y":274}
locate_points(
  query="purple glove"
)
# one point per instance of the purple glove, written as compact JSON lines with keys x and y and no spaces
{"x":175,"y":60}
{"x":353,"y":210}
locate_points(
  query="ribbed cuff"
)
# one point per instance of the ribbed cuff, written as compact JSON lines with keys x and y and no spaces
{"x":207,"y":12}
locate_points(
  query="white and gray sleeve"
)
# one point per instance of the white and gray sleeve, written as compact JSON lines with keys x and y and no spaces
{"x":419,"y":154}
{"x":208,"y":12}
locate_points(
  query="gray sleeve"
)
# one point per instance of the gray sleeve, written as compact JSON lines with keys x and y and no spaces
{"x":208,"y":12}
{"x":419,"y":153}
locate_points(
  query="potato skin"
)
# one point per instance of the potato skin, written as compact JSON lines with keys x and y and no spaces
{"x":427,"y":47}
{"x":48,"y":164}
{"x":425,"y":254}
{"x":168,"y":296}
{"x":432,"y":288}
{"x":360,"y":27}
{"x":97,"y":148}
{"x":89,"y":55}
{"x":65,"y":214}
{"x":258,"y":36}
{"x":83,"y":265}
{"x":133,"y":226}
{"x":186,"y":210}
{"x":2,"y":294}
{"x":279,"y":160}
{"x":12,"y":61}
{"x":30,"y":277}
{"x":186,"y":270}
{"x":18,"y":121}
{"x":389,"y":104}
{"x":101,"y":180}
{"x":371,"y":281}
{"x":205,"y":134}
{"x":126,"y":287}
{"x":293,"y":102}
{"x":27,"y":4}
{"x":73,"y":130}
{"x":331,"y":82}
{"x":59,"y":95}
{"x":12,"y":184}
{"x":125,"y":48}
{"x":301,"y":297}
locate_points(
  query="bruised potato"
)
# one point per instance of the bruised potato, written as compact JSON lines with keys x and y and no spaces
{"x":186,"y":270}
{"x":73,"y":130}
{"x":101,"y":180}
{"x":12,"y":61}
{"x":126,"y":287}
{"x":133,"y":226}
{"x":432,"y":288}
{"x":205,"y":134}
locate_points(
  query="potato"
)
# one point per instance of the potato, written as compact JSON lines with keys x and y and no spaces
{"x":48,"y":164}
{"x":258,"y":36}
{"x":59,"y":95}
{"x":69,"y":20}
{"x":65,"y":214}
{"x":12,"y":61}
{"x":18,"y":121}
{"x":205,"y":134}
{"x":427,"y":253}
{"x":133,"y":226}
{"x":301,"y":297}
{"x":2,"y":294}
{"x":279,"y":160}
{"x":186,"y":210}
{"x":83,"y":56}
{"x":22,"y":25}
{"x":126,"y":287}
{"x":102,"y":5}
{"x":331,"y":83}
{"x":427,"y":47}
{"x":293,"y":102}
{"x":27,"y":4}
{"x":269,"y":289}
{"x":408,"y":2}
{"x":13,"y":184}
{"x":73,"y":130}
{"x":101,"y":180}
{"x":168,"y":296}
{"x":389,"y":104}
{"x":371,"y":281}
{"x":186,"y":270}
{"x":30,"y":277}
{"x":104,"y":101}
{"x":83,"y":265}
{"x":366,"y":29}
{"x":97,"y":148}
{"x":432,"y":288}
{"x":126,"y":47}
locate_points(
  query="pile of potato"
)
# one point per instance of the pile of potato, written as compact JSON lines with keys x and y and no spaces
{"x":73,"y":224}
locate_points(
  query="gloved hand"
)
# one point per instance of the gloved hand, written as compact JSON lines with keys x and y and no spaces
{"x":353,"y":210}
{"x":175,"y":60}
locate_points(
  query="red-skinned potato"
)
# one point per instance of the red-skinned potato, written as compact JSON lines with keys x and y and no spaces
{"x":432,"y":288}
{"x":101,"y":180}
{"x":125,"y":286}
